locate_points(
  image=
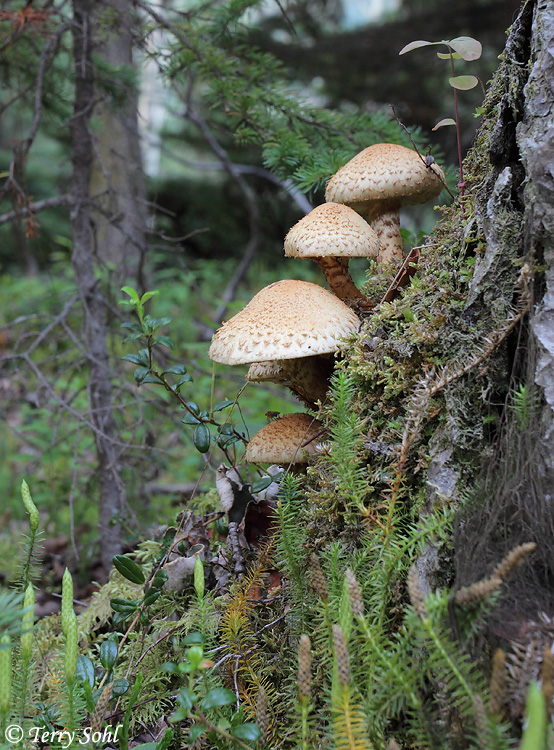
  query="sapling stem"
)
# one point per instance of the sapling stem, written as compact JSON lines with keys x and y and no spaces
{"x":461,"y":184}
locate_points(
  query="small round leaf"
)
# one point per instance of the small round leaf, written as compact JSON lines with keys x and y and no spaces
{"x":467,"y":47}
{"x":464,"y":83}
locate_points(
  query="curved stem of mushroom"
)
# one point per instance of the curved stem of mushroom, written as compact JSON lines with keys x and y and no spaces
{"x":386,"y":226}
{"x":339,"y":279}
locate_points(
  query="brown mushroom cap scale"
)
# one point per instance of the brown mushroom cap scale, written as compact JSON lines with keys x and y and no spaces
{"x":281,"y":441}
{"x":285,"y":320}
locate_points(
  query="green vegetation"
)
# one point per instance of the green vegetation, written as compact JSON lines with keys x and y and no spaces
{"x":374,"y":589}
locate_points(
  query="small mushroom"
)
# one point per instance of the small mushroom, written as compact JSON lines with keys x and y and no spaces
{"x":292,"y":323}
{"x":288,"y":440}
{"x":378,"y":181}
{"x":330,"y":235}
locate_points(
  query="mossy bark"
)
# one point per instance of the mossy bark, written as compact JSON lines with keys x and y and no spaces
{"x":509,"y":225}
{"x":445,"y":362}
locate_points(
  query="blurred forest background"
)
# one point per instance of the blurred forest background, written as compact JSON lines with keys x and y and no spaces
{"x":190,"y":136}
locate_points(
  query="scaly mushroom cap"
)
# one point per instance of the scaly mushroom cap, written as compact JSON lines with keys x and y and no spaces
{"x":385,"y":172}
{"x":280,"y":441}
{"x":285,"y":320}
{"x":331,"y":229}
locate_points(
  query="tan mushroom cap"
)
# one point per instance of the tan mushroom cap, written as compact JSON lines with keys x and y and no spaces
{"x":285,"y":320}
{"x":331,"y":229}
{"x":280,"y":441}
{"x":383,"y":172}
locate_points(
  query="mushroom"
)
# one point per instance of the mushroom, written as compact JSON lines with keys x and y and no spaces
{"x":292,"y":323}
{"x":287,"y":440}
{"x":378,"y":181}
{"x":331,"y":234}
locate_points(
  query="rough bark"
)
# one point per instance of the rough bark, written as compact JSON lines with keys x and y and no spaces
{"x":117,"y":178}
{"x":511,"y":223}
{"x":535,"y":138}
{"x":99,"y":387}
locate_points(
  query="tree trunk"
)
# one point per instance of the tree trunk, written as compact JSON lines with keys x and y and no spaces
{"x":509,"y":313}
{"x":117,"y":178}
{"x":99,"y":389}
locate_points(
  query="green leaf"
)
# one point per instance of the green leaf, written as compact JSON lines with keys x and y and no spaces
{"x":195,"y":731}
{"x":120,"y":617}
{"x":201,"y":438}
{"x":416,"y":45}
{"x":217,"y":697}
{"x":151,"y":378}
{"x":140,"y":373}
{"x":165,"y":741}
{"x":175,"y":370}
{"x":131,"y":293}
{"x":148,"y":295}
{"x":137,"y":359}
{"x":442,"y":123}
{"x":448,"y":55}
{"x":124,"y":605}
{"x":263,"y":482}
{"x":192,"y":638}
{"x":128,"y":569}
{"x":534,"y":734}
{"x":120,"y":686}
{"x":132,"y":325}
{"x":133,"y":337}
{"x":108,"y":654}
{"x":186,"y":698}
{"x":183,"y":379}
{"x":152,"y":324}
{"x":151,"y":595}
{"x":222,"y":405}
{"x":467,"y":47}
{"x":464,"y":83}
{"x":165,"y":341}
{"x":160,"y":578}
{"x":247,"y":731}
{"x":85,"y":670}
{"x":188,"y":418}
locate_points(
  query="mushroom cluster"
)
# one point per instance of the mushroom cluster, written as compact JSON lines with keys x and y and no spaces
{"x":289,"y":332}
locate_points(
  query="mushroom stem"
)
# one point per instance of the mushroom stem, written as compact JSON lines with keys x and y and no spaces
{"x":339,"y":279}
{"x":309,"y":377}
{"x":386,"y":225}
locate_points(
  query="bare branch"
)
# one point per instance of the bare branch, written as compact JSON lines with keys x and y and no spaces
{"x":36,"y":207}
